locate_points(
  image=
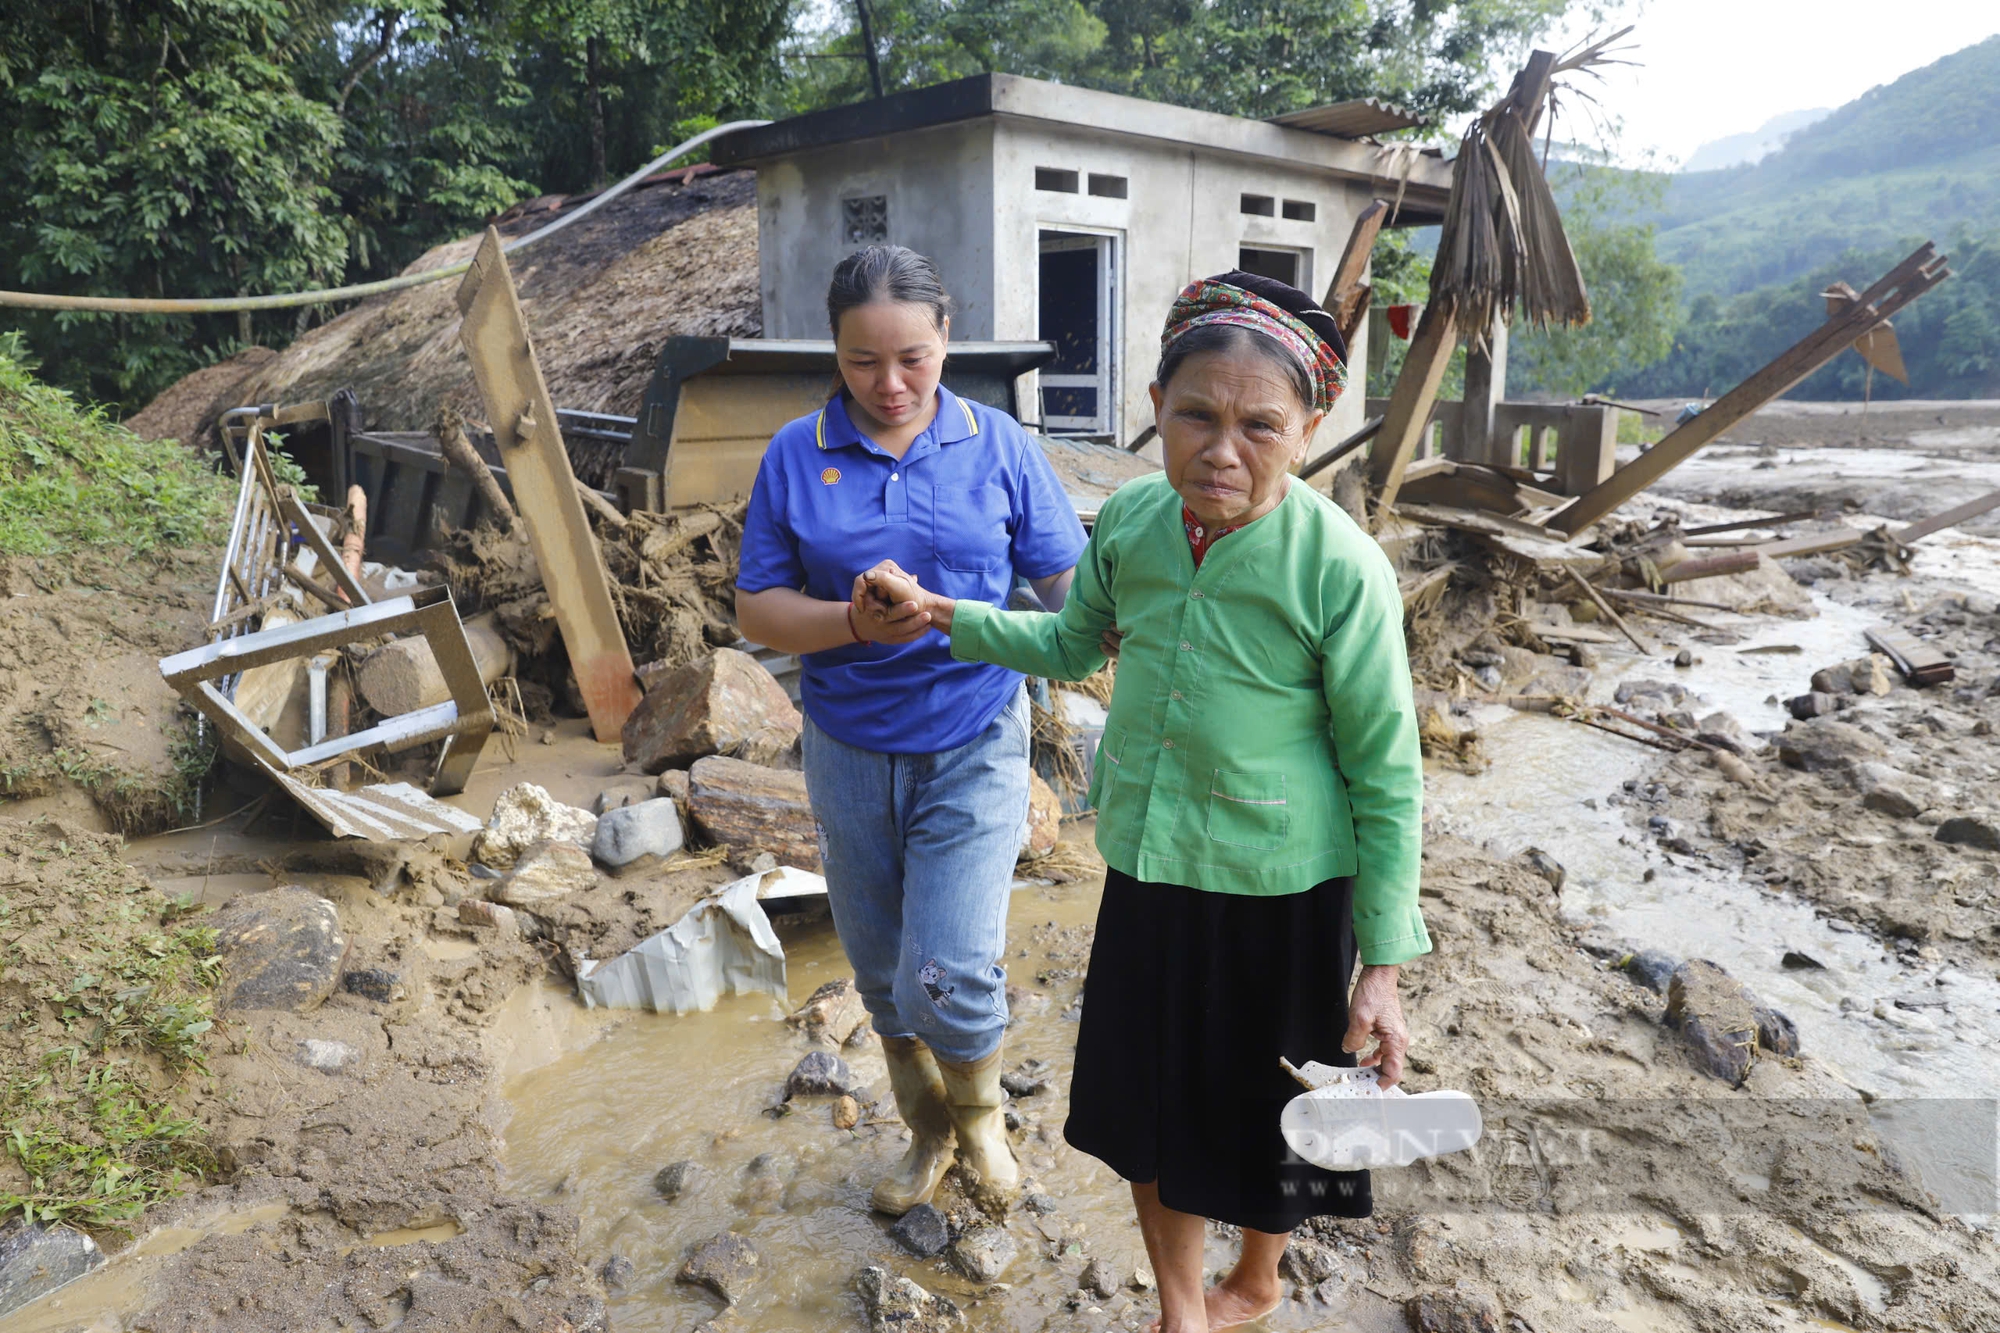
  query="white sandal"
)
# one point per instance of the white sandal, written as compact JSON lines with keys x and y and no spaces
{"x":1347,"y":1121}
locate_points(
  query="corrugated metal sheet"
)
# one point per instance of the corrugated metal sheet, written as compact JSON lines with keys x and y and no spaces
{"x":385,"y":812}
{"x":1350,"y":120}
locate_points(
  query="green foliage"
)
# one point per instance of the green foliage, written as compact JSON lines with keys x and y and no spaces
{"x":1634,"y":296}
{"x":72,"y":479}
{"x":1242,"y":57}
{"x":1950,"y":337}
{"x":119,"y":1012}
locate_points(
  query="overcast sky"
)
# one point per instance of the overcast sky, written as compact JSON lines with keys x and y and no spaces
{"x":1717,"y":67}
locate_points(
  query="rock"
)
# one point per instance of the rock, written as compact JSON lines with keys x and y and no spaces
{"x":1863,"y":675}
{"x":1097,"y":1280}
{"x":1659,"y":694}
{"x":479,"y":912}
{"x":752,"y":808}
{"x":1892,"y":801}
{"x":1650,"y":968}
{"x":1546,"y":866}
{"x":372,"y":983}
{"x":645,"y":828}
{"x":832,"y":1014}
{"x":282,"y":949}
{"x":1720,"y":728}
{"x":1822,"y":747}
{"x":1585,"y":656}
{"x":1684,"y":658}
{"x":329,"y":1057}
{"x":1141,"y":1279}
{"x":725,"y":1264}
{"x":1980,"y":831}
{"x":1028,"y":1079}
{"x":1800,"y":962}
{"x":1039,"y":1204}
{"x":820,"y":1074}
{"x":1805,"y":707}
{"x":923,"y":1231}
{"x":679,"y":1178}
{"x":1044,"y":820}
{"x":1309,"y":1263}
{"x":1454,"y":1310}
{"x":1723,"y":1022}
{"x":547,"y":873}
{"x":628,"y":791}
{"x":984,"y":1253}
{"x":36,"y":1260}
{"x":725,"y":703}
{"x":846,"y":1112}
{"x":897,"y":1305}
{"x":525,"y":815}
{"x":616,"y":1272}
{"x":673,"y":784}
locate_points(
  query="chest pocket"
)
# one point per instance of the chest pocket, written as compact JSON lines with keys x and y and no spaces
{"x":969,"y":527}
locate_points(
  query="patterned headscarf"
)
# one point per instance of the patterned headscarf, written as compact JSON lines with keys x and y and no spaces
{"x":1210,"y":302}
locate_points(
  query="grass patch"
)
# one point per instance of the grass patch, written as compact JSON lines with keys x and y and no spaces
{"x":73,"y":479}
{"x":106,"y":1012}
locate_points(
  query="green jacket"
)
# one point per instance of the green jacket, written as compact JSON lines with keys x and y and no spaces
{"x":1262,"y":737}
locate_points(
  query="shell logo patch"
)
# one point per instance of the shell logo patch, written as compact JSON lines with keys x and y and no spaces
{"x":830,"y":476}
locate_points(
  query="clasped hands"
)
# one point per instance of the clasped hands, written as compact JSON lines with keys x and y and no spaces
{"x":890,"y":606}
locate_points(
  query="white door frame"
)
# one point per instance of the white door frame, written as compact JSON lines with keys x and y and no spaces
{"x":1109,"y":289}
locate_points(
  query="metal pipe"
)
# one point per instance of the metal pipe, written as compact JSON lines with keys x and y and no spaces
{"x":129,"y":305}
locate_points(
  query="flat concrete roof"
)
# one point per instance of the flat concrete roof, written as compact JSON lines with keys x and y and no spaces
{"x":1017,"y":98}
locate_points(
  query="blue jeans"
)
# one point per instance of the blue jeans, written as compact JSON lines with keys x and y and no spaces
{"x":919,"y":856}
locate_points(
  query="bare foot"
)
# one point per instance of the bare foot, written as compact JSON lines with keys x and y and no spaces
{"x":1232,"y":1306}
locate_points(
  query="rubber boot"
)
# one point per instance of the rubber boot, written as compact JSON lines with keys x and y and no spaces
{"x":974,"y":1098}
{"x":913,"y":1076}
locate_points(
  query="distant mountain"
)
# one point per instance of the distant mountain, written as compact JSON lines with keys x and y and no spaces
{"x":1911,"y":159}
{"x":1741,"y":150}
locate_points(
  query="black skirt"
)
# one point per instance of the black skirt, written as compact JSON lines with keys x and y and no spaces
{"x":1190,"y":1000}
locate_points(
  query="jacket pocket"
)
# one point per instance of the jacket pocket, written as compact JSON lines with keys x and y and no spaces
{"x":1248,"y":809}
{"x":1105,"y":769}
{"x":969,"y":527}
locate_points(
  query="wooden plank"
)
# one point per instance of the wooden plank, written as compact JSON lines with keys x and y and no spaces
{"x":1609,"y":614}
{"x":1354,"y":259}
{"x":1950,"y":518}
{"x":523,"y":417}
{"x":1568,"y":633}
{"x":1774,"y":521}
{"x":1450,"y":485}
{"x":1920,"y":663}
{"x":1369,"y":429}
{"x":1903,"y":284}
{"x":1709,"y":567}
{"x":1812,"y":543}
{"x":1410,"y":403}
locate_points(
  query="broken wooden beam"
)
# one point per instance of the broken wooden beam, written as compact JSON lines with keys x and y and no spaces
{"x":1920,"y":663}
{"x":1812,"y":543}
{"x":495,"y":334}
{"x":1368,"y":430}
{"x":1408,"y":415}
{"x":456,"y":446}
{"x":1743,"y":524}
{"x":1609,"y":613}
{"x":403,"y":675}
{"x":1707,"y":567}
{"x":1923,"y":270}
{"x":1950,"y":518}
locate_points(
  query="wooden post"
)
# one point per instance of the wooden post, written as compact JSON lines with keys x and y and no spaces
{"x":1485,"y":386}
{"x":1410,"y":404}
{"x":1910,"y":279}
{"x":523,"y":416}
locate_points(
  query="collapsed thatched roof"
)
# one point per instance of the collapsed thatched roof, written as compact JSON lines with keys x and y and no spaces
{"x":667,"y":259}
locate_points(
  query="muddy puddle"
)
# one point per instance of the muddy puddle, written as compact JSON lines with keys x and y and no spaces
{"x":1548,"y":786}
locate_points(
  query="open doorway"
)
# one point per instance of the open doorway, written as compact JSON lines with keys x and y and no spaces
{"x":1078,"y":289}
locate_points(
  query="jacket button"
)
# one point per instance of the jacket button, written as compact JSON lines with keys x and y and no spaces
{"x":1186,"y":647}
{"x":1195,"y":595}
{"x":1175,"y":695}
{"x":1168,"y":743}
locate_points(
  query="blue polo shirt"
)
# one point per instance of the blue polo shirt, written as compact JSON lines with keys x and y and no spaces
{"x":970,"y":505}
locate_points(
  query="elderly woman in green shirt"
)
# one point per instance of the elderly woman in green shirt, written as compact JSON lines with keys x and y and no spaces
{"x":1259,"y":793}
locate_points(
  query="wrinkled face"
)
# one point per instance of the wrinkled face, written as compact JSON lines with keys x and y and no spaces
{"x":891,"y":354}
{"x":1231,"y":427}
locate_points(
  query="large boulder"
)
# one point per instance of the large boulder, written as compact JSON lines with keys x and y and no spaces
{"x":645,"y":831}
{"x":832,"y":1014}
{"x":1824,"y":746}
{"x":1863,"y":675}
{"x":547,"y":873}
{"x":281,"y":949}
{"x":35,"y":1260}
{"x":526,"y":815}
{"x":725,"y":703}
{"x":1723,"y":1021}
{"x":751,"y":808}
{"x":725,"y":1264}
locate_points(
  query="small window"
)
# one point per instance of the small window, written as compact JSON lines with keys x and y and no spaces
{"x":1280,"y":264}
{"x":1107,"y":187}
{"x":1055,"y":179}
{"x":864,"y":219}
{"x":1301,"y":210}
{"x":1260,"y":205}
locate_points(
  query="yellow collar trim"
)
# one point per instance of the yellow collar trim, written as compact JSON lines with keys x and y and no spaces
{"x":819,"y":428}
{"x":971,"y":422}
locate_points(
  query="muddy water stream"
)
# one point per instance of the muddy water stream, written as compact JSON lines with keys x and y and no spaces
{"x":601,"y":1102}
{"x":1548,"y":788}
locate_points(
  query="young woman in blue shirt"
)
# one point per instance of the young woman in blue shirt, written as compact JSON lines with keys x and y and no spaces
{"x":917,"y":764}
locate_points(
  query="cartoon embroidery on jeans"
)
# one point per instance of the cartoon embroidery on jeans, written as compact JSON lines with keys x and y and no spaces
{"x":931,"y":975}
